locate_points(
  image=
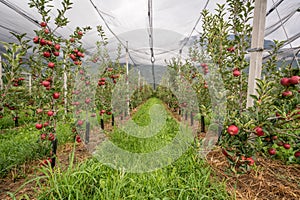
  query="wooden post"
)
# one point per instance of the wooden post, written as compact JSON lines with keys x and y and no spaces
{"x":1,"y":82}
{"x":257,"y":46}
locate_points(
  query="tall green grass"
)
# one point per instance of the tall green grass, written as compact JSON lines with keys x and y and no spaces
{"x":18,"y":146}
{"x":187,"y":178}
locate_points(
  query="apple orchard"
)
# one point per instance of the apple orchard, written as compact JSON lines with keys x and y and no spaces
{"x":47,"y":85}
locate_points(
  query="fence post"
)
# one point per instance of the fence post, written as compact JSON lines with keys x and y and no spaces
{"x":257,"y":44}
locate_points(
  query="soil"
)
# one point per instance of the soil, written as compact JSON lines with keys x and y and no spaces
{"x":270,"y":180}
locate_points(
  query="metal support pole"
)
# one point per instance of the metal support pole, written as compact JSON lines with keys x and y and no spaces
{"x":127,"y":83}
{"x":258,"y":34}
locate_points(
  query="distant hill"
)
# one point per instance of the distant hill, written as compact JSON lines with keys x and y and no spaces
{"x":267,"y":44}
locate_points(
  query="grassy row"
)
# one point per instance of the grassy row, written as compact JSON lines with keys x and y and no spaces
{"x":18,"y":146}
{"x":187,"y":178}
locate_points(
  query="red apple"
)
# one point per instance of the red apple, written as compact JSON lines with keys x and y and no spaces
{"x":56,"y":95}
{"x":57,"y":47}
{"x":46,"y":31}
{"x":79,"y":122}
{"x":72,"y":39}
{"x":78,"y":139}
{"x":231,"y":49}
{"x":73,"y":57}
{"x":39,"y":126}
{"x":274,"y":137}
{"x":43,"y":42}
{"x":87,"y":100}
{"x":49,"y":43}
{"x":36,"y":39}
{"x":236,"y":73}
{"x":259,"y":131}
{"x":294,"y":80}
{"x":286,"y":146}
{"x":272,"y":151}
{"x":50,"y":113}
{"x":56,"y":53}
{"x":79,"y":54}
{"x":80,"y":33}
{"x":287,"y":93}
{"x":233,"y":130}
{"x":51,"y":137}
{"x":51,"y":65}
{"x":102,"y":112}
{"x":43,"y":24}
{"x":46,"y":124}
{"x":250,"y":161}
{"x":46,"y":83}
{"x":203,"y":65}
{"x":285,"y":81}
{"x":280,"y":143}
{"x":47,"y":54}
{"x":297,"y":154}
{"x":43,"y":136}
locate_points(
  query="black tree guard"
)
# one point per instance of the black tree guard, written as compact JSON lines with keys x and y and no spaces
{"x":16,"y":118}
{"x":192,"y":119}
{"x":54,"y":149}
{"x":87,"y":132}
{"x":202,"y":124}
{"x":102,"y":123}
{"x":112,"y":120}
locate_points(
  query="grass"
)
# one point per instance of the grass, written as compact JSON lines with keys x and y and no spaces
{"x":18,"y":146}
{"x":189,"y":177}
